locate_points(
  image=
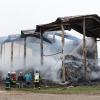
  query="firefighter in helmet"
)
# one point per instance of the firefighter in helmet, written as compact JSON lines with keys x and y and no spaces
{"x":13,"y":79}
{"x":21,"y":80}
{"x":8,"y":81}
{"x":37,"y":79}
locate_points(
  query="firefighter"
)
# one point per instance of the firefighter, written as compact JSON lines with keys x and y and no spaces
{"x":28,"y":79}
{"x":20,"y":80}
{"x":13,"y":79}
{"x":8,"y":81}
{"x":37,"y":79}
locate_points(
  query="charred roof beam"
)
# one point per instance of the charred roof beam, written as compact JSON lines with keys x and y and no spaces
{"x":32,"y":33}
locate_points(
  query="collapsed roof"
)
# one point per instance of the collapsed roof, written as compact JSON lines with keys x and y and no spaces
{"x":92,"y":24}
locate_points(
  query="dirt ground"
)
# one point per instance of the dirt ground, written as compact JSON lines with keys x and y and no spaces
{"x":16,"y":95}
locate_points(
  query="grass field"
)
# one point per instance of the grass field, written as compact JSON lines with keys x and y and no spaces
{"x":66,"y":90}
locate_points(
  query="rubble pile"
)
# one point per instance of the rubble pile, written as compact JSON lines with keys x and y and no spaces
{"x":75,"y":69}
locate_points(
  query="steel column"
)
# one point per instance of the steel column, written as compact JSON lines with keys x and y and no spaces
{"x":53,"y":37}
{"x":4,"y":52}
{"x":25,"y":53}
{"x":41,"y":46}
{"x":63,"y":67}
{"x":96,"y":51}
{"x":12,"y":56}
{"x":84,"y":50}
{"x":1,"y":50}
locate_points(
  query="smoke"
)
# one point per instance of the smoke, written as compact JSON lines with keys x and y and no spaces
{"x":95,"y":75}
{"x":52,"y":63}
{"x":74,"y":61}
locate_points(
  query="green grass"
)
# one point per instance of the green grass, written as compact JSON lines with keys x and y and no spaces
{"x":62,"y":90}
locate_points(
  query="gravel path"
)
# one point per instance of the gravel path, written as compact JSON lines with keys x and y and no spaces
{"x":16,"y":95}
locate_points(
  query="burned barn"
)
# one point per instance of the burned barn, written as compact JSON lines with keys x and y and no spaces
{"x":89,"y":26}
{"x":56,"y":54}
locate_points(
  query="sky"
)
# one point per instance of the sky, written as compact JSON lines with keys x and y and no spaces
{"x":17,"y":15}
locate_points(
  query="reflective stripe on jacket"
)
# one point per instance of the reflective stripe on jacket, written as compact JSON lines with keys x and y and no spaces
{"x":36,"y":77}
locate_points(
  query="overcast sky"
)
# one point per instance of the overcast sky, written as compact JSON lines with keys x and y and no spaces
{"x":16,"y":15}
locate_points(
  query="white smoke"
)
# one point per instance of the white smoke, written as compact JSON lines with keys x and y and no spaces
{"x":51,"y":65}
